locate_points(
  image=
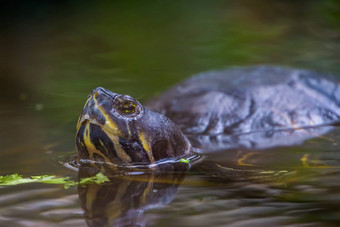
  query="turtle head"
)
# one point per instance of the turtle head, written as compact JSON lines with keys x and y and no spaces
{"x":114,"y":128}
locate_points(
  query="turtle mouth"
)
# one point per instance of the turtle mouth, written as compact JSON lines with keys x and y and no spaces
{"x":91,"y":113}
{"x":87,"y":119}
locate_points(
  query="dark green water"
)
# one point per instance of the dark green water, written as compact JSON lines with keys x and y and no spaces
{"x":54,"y":53}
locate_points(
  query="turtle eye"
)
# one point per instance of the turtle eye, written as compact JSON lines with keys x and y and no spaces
{"x":127,"y":107}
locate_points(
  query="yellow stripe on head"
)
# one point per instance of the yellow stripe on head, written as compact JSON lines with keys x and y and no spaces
{"x":146,"y":145}
{"x":119,"y":150}
{"x":78,"y":123}
{"x":89,"y":145}
{"x":79,"y":118}
{"x":110,"y":126}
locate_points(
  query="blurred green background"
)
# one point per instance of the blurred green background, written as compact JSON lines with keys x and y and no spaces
{"x":54,"y":52}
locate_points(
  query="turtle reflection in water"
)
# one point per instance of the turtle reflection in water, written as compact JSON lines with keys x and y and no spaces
{"x":250,"y":108}
{"x":122,"y":201}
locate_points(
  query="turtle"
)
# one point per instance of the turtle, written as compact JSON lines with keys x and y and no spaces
{"x":253,"y":107}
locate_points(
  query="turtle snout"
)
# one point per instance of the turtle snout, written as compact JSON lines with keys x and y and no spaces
{"x":91,"y":112}
{"x":97,"y":91}
{"x":100,"y":94}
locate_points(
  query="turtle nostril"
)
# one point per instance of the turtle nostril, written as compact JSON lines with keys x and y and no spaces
{"x":101,"y":93}
{"x":98,"y":91}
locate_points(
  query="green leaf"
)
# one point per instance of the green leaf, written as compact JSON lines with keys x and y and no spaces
{"x":99,"y":178}
{"x":183,"y":160}
{"x":16,"y":179}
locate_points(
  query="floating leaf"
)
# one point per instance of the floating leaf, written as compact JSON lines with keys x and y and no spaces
{"x":99,"y":178}
{"x":183,"y":160}
{"x":16,"y":179}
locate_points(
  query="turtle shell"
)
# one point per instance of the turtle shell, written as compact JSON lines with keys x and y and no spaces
{"x":251,"y":107}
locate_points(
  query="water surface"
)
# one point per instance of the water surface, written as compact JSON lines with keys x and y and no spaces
{"x":54,"y":53}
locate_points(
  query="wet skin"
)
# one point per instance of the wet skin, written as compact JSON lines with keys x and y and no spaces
{"x":114,"y":128}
